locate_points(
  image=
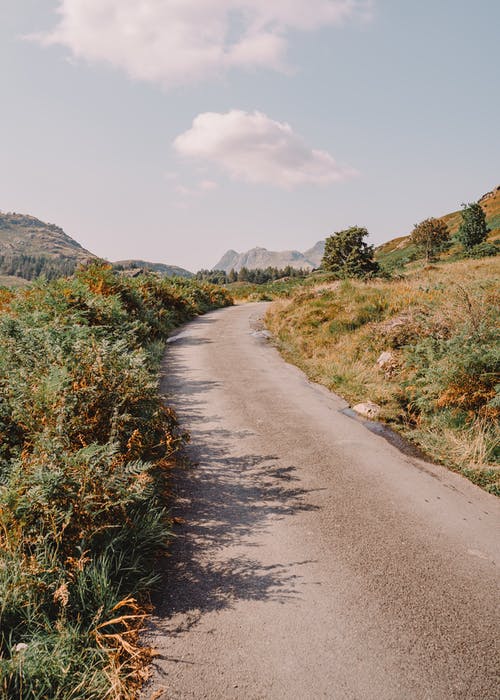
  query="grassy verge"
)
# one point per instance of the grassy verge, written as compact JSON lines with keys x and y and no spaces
{"x":85,"y":449}
{"x":277,"y":289}
{"x":440,"y":383}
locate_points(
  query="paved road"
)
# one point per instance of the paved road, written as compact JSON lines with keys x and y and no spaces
{"x":316,"y":560}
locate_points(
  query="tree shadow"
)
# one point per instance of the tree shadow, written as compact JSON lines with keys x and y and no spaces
{"x":224,"y":500}
{"x":227,"y":502}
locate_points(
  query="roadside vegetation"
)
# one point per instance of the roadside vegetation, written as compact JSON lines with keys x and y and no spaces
{"x":419,"y":336}
{"x":284,"y":287}
{"x":86,"y":444}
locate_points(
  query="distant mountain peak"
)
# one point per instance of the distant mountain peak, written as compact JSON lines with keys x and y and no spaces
{"x":260,"y":257}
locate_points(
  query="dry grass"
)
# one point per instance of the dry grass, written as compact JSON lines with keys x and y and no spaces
{"x":439,"y":324}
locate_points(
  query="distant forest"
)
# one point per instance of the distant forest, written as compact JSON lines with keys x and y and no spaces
{"x":257,"y":276}
{"x":32,"y":266}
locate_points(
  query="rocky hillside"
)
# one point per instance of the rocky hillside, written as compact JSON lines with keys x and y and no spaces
{"x":30,"y":247}
{"x":260,"y":258}
{"x":24,"y":234}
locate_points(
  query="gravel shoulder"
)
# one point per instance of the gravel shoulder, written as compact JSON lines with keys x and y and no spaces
{"x":313,"y":559}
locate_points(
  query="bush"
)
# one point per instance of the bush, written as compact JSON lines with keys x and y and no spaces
{"x":85,"y":448}
{"x":483,"y":250}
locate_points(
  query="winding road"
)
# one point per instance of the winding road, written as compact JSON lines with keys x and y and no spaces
{"x":313,"y":558}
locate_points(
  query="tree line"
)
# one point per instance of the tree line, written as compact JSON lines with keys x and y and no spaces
{"x":254,"y":276}
{"x":30,"y":267}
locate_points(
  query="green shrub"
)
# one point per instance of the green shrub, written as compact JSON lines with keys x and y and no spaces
{"x":483,"y":250}
{"x":85,"y":449}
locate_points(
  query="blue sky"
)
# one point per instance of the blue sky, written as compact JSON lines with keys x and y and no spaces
{"x":172,"y":131}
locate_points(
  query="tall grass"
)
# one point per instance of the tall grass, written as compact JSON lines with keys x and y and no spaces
{"x":440,"y":324}
{"x":85,"y":449}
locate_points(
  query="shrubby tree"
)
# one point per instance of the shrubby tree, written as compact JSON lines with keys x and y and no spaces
{"x":430,"y":237}
{"x":473,"y":229}
{"x":347,"y":254}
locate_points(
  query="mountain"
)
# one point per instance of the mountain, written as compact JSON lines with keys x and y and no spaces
{"x":23,"y":234}
{"x":259,"y":258}
{"x":161,"y":268}
{"x":315,"y":254}
{"x":30,"y":247}
{"x":394,"y":252}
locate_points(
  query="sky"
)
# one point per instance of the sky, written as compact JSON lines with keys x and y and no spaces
{"x":173,"y":130}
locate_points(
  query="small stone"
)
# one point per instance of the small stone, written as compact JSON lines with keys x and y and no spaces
{"x":385,"y":358}
{"x":367,"y":409}
{"x":20,"y":647}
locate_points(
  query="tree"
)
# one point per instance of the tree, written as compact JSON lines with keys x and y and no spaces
{"x":430,"y":236}
{"x":473,"y":229}
{"x":347,"y":255}
{"x":243,"y":274}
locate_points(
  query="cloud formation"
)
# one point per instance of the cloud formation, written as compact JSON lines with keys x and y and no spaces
{"x":254,"y":148}
{"x":176,"y":41}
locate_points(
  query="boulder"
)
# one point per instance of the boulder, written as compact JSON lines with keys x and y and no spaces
{"x":368,"y":409}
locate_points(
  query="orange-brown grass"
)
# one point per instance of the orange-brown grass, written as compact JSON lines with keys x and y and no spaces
{"x":440,"y":323}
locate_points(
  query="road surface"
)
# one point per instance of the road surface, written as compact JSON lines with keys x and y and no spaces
{"x":314,"y":559}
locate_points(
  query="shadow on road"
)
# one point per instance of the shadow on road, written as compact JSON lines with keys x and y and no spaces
{"x":224,"y":500}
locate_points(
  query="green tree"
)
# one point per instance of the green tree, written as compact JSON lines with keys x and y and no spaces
{"x":473,"y":229}
{"x":243,"y":274}
{"x":347,"y":254}
{"x":430,"y":236}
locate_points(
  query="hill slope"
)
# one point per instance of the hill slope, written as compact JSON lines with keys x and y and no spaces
{"x":400,"y":250}
{"x":24,"y":234}
{"x":30,"y":247}
{"x":396,"y":251}
{"x":260,"y":258}
{"x":160,"y":268}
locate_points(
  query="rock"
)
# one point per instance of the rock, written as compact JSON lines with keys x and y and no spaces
{"x":367,"y":409}
{"x":267,"y":335}
{"x":385,"y":358}
{"x":20,"y":647}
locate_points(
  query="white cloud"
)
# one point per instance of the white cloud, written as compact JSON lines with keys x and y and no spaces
{"x":254,"y":148}
{"x":174,"y":41}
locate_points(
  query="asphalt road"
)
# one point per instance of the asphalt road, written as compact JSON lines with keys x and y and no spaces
{"x":314,"y":558}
